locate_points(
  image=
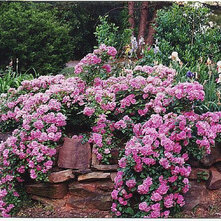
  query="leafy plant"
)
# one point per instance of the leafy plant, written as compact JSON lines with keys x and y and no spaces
{"x":31,"y":33}
{"x":186,"y":30}
{"x":109,"y":34}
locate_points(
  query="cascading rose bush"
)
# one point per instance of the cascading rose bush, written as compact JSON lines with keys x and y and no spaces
{"x":153,"y":171}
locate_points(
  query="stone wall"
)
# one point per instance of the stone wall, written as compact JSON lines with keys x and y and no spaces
{"x":79,"y":181}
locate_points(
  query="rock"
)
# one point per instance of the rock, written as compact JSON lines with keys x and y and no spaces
{"x":198,"y":194}
{"x":194,"y":162}
{"x":53,"y":191}
{"x":218,"y":166}
{"x":114,"y":156}
{"x":61,"y":176}
{"x":214,"y":181}
{"x":93,"y":176}
{"x":51,"y":202}
{"x":4,"y":136}
{"x":94,"y":160}
{"x":199,"y":174}
{"x":113,"y":175}
{"x":90,"y":188}
{"x":212,"y":158}
{"x":74,"y":155}
{"x":106,"y":167}
{"x":82,"y":171}
{"x":100,"y":201}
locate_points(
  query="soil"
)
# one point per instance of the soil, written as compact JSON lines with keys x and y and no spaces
{"x":39,"y":210}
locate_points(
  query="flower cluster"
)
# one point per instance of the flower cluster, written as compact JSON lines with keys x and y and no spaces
{"x":143,"y":108}
{"x":96,"y":64}
{"x":154,"y":168}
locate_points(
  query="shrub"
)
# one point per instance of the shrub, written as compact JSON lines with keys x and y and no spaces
{"x":109,"y":34}
{"x":144,"y":108}
{"x":32,"y":33}
{"x":186,"y":30}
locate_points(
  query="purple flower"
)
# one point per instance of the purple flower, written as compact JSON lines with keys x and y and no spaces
{"x":190,"y":74}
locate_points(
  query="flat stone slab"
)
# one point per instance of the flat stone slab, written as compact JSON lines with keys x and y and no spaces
{"x":49,"y":190}
{"x":198,"y":194}
{"x":214,"y":181}
{"x":61,"y":176}
{"x":74,"y":155}
{"x":90,"y":188}
{"x":106,"y":167}
{"x":101,"y":202}
{"x":94,"y":176}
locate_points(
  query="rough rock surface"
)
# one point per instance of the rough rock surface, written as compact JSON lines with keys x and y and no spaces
{"x":214,"y":181}
{"x":53,"y":191}
{"x":93,"y":176}
{"x":106,"y":167}
{"x":212,"y":158}
{"x":61,"y":176}
{"x":199,"y":174}
{"x":196,"y":195}
{"x":74,"y":155}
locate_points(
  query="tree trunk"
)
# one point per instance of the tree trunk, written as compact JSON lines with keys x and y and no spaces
{"x":151,"y":30}
{"x":143,"y":19}
{"x":131,"y":15}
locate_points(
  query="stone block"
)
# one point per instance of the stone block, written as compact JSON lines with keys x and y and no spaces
{"x":93,"y":176}
{"x":74,"y":155}
{"x":101,"y":202}
{"x":53,"y":191}
{"x":90,"y":188}
{"x":106,"y":167}
{"x":52,"y":202}
{"x":61,"y":176}
{"x":212,"y":158}
{"x":214,"y":181}
{"x":198,"y":194}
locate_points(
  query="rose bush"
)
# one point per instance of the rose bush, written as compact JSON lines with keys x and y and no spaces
{"x":143,"y":112}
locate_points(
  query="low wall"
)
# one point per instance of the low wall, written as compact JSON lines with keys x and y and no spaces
{"x":79,"y":181}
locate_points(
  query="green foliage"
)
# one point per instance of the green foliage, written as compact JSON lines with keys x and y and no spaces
{"x":10,"y":79}
{"x":32,"y":33}
{"x":109,"y":34}
{"x":185,"y":29}
{"x":83,"y":17}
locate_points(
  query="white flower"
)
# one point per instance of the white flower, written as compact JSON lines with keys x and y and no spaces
{"x":174,"y":56}
{"x":208,"y":62}
{"x":219,"y":66}
{"x":211,"y":24}
{"x":219,"y":79}
{"x":141,"y":41}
